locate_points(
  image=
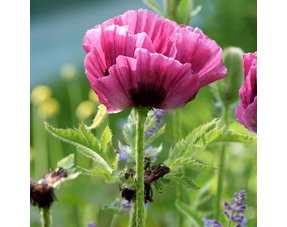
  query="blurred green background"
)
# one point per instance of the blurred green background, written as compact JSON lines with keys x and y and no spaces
{"x":57,"y":30}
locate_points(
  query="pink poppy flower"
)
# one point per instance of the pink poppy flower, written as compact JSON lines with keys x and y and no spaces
{"x":246,"y":111}
{"x":140,"y":59}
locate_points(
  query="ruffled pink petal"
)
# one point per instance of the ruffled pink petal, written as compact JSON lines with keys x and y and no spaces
{"x":248,"y":90}
{"x":203,"y":53}
{"x":150,"y":80}
{"x":158,"y":29}
{"x":248,"y":116}
{"x":176,"y":78}
{"x":113,"y":90}
{"x":104,"y":45}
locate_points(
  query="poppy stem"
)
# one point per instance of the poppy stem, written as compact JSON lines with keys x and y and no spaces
{"x":132,"y":221}
{"x":139,"y":147}
{"x":221,"y":167}
{"x":45,"y":217}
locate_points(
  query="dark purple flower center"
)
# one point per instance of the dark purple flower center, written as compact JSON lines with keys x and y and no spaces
{"x":147,"y":95}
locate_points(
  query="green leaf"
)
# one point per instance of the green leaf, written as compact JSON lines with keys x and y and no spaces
{"x":152,"y":4}
{"x":84,"y":142}
{"x":105,"y":139}
{"x":196,"y":140}
{"x":115,"y":207}
{"x":192,"y":163}
{"x":190,"y":213}
{"x":232,"y":136}
{"x":67,"y":162}
{"x":187,"y":182}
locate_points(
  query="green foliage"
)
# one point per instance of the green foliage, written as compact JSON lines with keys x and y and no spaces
{"x":195,"y":141}
{"x":183,"y":12}
{"x":100,"y":152}
{"x":191,"y":214}
{"x":154,"y":5}
{"x":67,"y":163}
{"x":232,"y":136}
{"x":187,"y":182}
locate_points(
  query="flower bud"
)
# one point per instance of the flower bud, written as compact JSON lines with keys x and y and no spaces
{"x":227,"y":88}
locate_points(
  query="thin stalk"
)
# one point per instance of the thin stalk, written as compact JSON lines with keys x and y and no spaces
{"x":221,"y":166}
{"x":115,"y":220}
{"x":132,"y":221}
{"x":141,"y":116}
{"x":176,"y":132}
{"x":169,"y":9}
{"x":45,"y":217}
{"x":40,"y":144}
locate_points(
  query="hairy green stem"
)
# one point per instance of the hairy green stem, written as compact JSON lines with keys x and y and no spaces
{"x":220,"y":180}
{"x":176,"y":133}
{"x":132,"y":221}
{"x":45,"y":217}
{"x":141,"y":116}
{"x":221,"y":166}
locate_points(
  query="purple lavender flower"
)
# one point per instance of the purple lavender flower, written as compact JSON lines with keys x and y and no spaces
{"x":92,"y":224}
{"x":158,"y":118}
{"x":234,"y":212}
{"x":211,"y":223}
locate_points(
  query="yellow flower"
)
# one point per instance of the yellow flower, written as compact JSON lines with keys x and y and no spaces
{"x":40,"y":94}
{"x":85,"y":110}
{"x":68,"y":71}
{"x":49,"y":108}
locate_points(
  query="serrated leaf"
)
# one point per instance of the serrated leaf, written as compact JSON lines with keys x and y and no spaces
{"x":98,"y":171}
{"x":152,"y":4}
{"x":67,"y":162}
{"x":91,"y":140}
{"x":112,"y":156}
{"x":192,"y":163}
{"x":189,"y":213}
{"x":105,"y":139}
{"x":196,"y":140}
{"x":231,"y":136}
{"x":187,"y":182}
{"x":77,"y":138}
